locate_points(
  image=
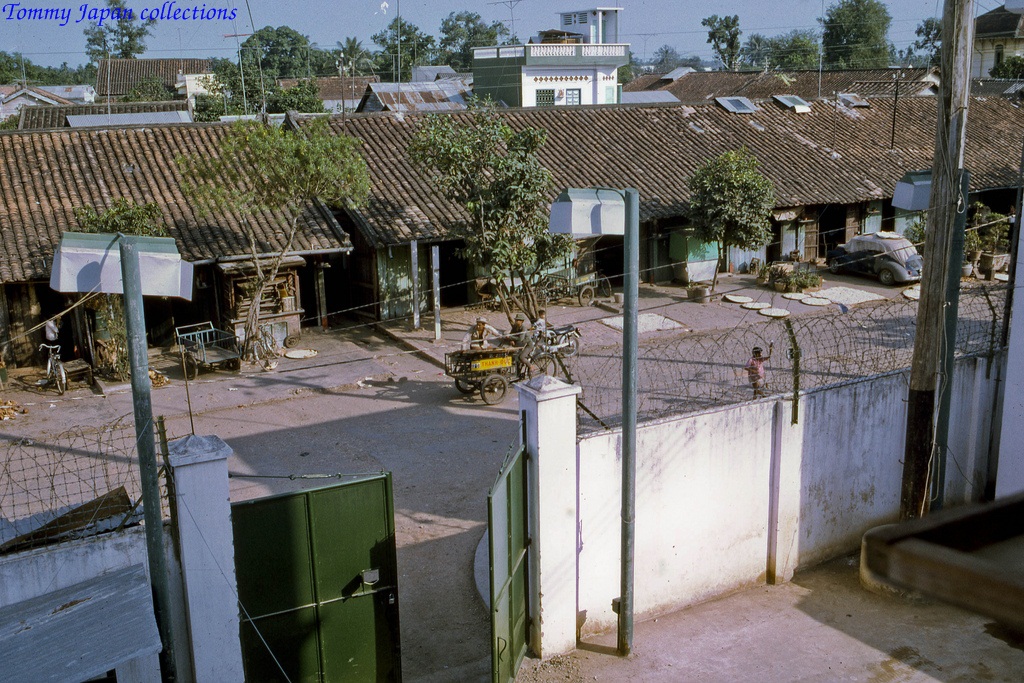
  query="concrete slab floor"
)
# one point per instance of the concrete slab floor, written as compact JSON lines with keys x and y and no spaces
{"x":820,"y":627}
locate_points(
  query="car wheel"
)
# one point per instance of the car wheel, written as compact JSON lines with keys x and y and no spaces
{"x":886,"y":277}
{"x":834,"y":267}
{"x":493,"y":389}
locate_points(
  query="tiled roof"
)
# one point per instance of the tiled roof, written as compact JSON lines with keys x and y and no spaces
{"x":995,"y":87}
{"x":115,"y":77}
{"x":57,"y":117}
{"x":830,"y":155}
{"x":44,"y":175}
{"x":701,"y":86}
{"x":336,"y":87}
{"x":998,"y":23}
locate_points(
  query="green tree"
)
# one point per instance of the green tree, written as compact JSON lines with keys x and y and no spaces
{"x":460,"y":33}
{"x":856,"y":35}
{"x":283,"y":52}
{"x":494,"y":173}
{"x":731,"y":203}
{"x":1012,"y":67}
{"x":10,"y":123}
{"x":261,"y":168}
{"x":417,"y":49}
{"x":304,"y":97}
{"x":724,"y":37}
{"x":122,"y":38}
{"x":356,"y":58}
{"x":149,"y":89}
{"x":929,"y":39}
{"x":794,"y":50}
{"x":126,"y":217}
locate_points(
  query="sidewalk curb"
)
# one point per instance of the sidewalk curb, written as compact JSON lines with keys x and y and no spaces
{"x":423,"y":354}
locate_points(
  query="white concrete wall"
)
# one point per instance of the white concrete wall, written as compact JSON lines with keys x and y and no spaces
{"x":735,"y":496}
{"x":701,"y":511}
{"x":983,"y":60}
{"x":592,"y":89}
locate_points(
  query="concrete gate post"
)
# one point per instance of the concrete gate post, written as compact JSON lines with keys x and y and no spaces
{"x":205,"y":539}
{"x":548,"y":408}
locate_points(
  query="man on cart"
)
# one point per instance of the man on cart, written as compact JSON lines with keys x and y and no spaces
{"x":480,"y":336}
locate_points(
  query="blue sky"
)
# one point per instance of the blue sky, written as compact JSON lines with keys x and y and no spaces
{"x":646,"y":24}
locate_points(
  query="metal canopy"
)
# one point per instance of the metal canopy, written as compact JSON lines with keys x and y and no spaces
{"x":86,"y":262}
{"x":79,"y":632}
{"x":588,"y":212}
{"x":913,"y":191}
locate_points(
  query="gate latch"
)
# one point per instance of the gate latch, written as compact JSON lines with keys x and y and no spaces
{"x":370,"y":576}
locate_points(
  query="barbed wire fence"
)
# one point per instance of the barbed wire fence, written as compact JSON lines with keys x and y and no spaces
{"x":683,"y":373}
{"x":80,"y":482}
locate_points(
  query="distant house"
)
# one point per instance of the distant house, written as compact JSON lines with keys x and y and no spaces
{"x":998,"y":34}
{"x":77,"y":94}
{"x":14,"y":97}
{"x":35,"y":118}
{"x":45,"y":175}
{"x":832,"y":166}
{"x":694,"y":87}
{"x":441,"y":95}
{"x":426,"y":74}
{"x":336,"y":92}
{"x":117,"y":77}
{"x":575,"y":64}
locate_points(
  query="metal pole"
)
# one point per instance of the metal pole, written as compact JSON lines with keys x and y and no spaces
{"x":135,"y":323}
{"x":947,"y":343}
{"x":435,"y":267}
{"x":631,"y":293}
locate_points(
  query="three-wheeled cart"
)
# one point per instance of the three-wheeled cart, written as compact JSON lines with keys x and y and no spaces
{"x":204,"y":344}
{"x":490,"y":371}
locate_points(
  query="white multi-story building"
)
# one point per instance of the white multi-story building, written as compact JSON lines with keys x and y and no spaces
{"x":997,"y":35}
{"x":574,"y":64}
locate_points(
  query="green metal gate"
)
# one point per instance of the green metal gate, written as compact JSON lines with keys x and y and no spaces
{"x":507,"y":524}
{"x":318,"y":584}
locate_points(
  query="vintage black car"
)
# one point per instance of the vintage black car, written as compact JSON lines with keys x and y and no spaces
{"x":888,"y":256}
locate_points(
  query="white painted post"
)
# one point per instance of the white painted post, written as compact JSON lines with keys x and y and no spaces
{"x":784,"y":495}
{"x":414,"y":247}
{"x":205,"y":538}
{"x":548,"y":407}
{"x":1010,"y":473}
{"x":435,"y":269}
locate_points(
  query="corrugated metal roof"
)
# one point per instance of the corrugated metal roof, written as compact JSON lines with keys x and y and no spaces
{"x":56,"y":117}
{"x":142,"y":117}
{"x":79,"y":632}
{"x":648,"y":97}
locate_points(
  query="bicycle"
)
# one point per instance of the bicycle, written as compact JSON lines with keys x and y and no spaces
{"x":56,"y":375}
{"x":264,"y":348}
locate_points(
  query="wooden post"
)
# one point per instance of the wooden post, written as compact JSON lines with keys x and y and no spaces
{"x":946,"y":200}
{"x":321,"y":295}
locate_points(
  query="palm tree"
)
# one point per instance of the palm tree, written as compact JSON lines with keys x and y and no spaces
{"x":354,"y":56}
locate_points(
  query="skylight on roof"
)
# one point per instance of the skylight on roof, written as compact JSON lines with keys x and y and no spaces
{"x":852,"y":99}
{"x":758,"y":126}
{"x":694,"y":127}
{"x":797,"y":104}
{"x":737,"y":105}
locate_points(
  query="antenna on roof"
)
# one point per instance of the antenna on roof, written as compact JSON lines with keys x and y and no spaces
{"x":511,"y":4}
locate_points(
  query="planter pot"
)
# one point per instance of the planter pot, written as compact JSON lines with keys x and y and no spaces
{"x":780,"y":286}
{"x":973,"y":256}
{"x":991,"y":262}
{"x":762,"y":281}
{"x":700,"y":295}
{"x":967,"y":270}
{"x":793,"y":288}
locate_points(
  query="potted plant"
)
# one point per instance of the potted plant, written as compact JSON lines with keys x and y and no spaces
{"x":972,"y":252}
{"x":994,"y":242}
{"x":778,"y":277}
{"x":762,"y":273}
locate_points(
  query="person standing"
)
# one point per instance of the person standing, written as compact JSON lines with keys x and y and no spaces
{"x":755,"y":369}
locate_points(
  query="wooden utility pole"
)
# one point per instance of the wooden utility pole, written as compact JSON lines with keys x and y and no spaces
{"x":923,"y":453}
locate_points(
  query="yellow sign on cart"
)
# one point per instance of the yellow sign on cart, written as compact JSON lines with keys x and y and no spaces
{"x":491,"y":363}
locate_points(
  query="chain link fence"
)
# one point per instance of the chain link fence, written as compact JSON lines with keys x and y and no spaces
{"x":683,"y":373}
{"x":81,"y":482}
